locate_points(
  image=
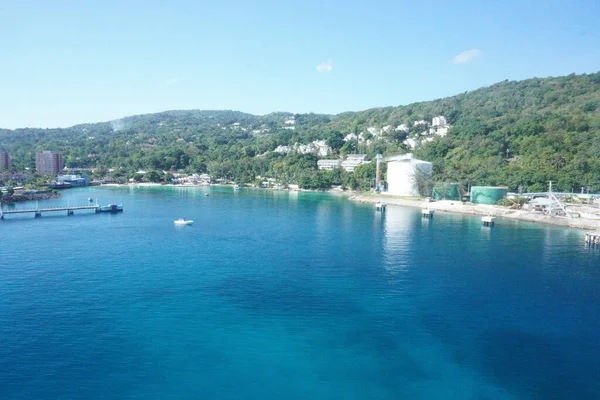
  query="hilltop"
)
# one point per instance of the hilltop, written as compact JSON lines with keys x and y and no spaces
{"x":519,"y":134}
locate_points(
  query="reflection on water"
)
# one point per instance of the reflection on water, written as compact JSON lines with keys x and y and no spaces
{"x":400,"y":231}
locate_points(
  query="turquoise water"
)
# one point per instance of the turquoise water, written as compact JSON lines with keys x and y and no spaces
{"x":275,"y":295}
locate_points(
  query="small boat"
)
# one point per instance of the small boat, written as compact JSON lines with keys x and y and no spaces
{"x":236,"y":187}
{"x":183,"y":221}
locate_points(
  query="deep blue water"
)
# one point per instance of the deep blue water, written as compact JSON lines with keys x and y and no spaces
{"x":275,"y":295}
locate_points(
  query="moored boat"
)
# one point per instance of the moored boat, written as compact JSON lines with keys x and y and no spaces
{"x":183,"y":221}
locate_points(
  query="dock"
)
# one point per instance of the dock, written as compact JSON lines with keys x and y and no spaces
{"x":37,"y":212}
{"x":379,"y":206}
{"x":592,"y":238}
{"x":488,"y":220}
{"x":427,"y":212}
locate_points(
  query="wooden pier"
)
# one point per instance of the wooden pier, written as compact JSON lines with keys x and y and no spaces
{"x":592,"y":238}
{"x":37,"y":212}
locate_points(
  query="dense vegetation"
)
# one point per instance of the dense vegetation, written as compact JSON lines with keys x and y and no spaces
{"x":518,"y":134}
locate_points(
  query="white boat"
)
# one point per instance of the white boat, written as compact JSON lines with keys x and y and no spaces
{"x":236,"y":187}
{"x":183,"y":221}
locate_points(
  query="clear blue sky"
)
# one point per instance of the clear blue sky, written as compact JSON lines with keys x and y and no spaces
{"x":69,"y":62}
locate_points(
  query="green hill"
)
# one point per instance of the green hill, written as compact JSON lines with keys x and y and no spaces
{"x":512,"y":133}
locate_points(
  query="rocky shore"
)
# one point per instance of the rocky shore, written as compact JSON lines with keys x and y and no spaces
{"x":28,"y":196}
{"x":589,"y":216}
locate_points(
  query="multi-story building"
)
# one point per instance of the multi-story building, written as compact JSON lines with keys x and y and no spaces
{"x":353,"y":160}
{"x":329,"y":165}
{"x":4,"y":160}
{"x":439,"y":121}
{"x":48,"y":163}
{"x":349,"y":163}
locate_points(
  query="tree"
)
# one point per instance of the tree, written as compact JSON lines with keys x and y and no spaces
{"x":422,"y":181}
{"x":398,"y":136}
{"x":152,"y":176}
{"x":335,"y":140}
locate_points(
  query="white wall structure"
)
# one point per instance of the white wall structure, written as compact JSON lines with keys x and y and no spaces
{"x":401,"y":173}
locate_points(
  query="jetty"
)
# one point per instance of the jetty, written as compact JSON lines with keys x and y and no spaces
{"x":488,"y":220}
{"x":592,"y":237}
{"x":37,"y":212}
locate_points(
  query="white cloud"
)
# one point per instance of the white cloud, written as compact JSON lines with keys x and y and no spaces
{"x":467,"y":56}
{"x":172,"y":80}
{"x":325,"y":66}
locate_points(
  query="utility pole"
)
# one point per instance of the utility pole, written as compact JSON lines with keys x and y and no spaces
{"x":550,"y":196}
{"x":378,"y":173}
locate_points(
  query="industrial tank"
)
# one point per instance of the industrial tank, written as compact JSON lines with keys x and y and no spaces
{"x":451,"y":190}
{"x":487,"y":194}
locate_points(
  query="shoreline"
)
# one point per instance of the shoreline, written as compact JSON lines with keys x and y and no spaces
{"x":587,"y":222}
{"x":22,"y":197}
{"x":293,"y":189}
{"x":584,"y":223}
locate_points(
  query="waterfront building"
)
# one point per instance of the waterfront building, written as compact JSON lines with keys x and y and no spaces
{"x":69,"y":181}
{"x":48,"y":162}
{"x":401,"y":174}
{"x":4,"y":160}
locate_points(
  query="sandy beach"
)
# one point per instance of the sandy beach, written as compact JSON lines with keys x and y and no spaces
{"x":589,"y":216}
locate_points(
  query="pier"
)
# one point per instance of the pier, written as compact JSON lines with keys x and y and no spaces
{"x":427,"y":212}
{"x":488,"y":220}
{"x":37,"y":212}
{"x":592,"y":238}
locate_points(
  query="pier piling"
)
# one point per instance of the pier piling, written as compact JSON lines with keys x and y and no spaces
{"x":427,"y":212}
{"x":593,"y":238}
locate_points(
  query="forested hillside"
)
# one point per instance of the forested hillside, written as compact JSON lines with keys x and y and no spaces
{"x":512,"y":133}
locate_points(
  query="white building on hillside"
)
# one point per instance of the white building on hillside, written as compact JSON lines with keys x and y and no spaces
{"x":350,"y":136}
{"x":329,"y":165}
{"x":353,"y":160}
{"x":318,"y":147}
{"x":403,"y":127}
{"x":401,"y":174}
{"x":442,"y":131}
{"x":439,"y":121}
{"x":413,"y":143}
